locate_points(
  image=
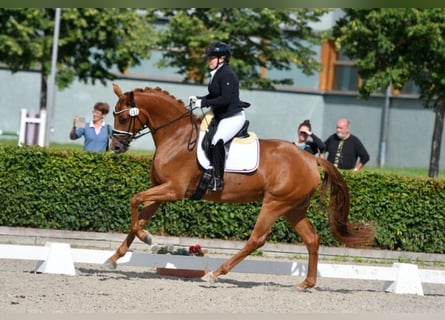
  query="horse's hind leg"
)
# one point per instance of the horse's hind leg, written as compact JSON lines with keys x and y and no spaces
{"x":301,"y":225}
{"x":138,"y":221}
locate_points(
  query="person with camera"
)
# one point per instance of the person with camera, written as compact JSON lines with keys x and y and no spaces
{"x":96,"y":133}
{"x":309,"y":141}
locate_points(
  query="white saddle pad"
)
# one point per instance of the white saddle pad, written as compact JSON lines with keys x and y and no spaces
{"x":243,"y":156}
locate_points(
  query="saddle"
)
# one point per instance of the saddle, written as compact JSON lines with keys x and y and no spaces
{"x":242,"y":152}
{"x":210,"y":131}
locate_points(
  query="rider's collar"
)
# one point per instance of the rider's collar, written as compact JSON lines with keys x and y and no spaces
{"x":212,"y":73}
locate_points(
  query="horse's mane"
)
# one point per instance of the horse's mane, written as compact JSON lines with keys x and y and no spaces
{"x":158,"y":90}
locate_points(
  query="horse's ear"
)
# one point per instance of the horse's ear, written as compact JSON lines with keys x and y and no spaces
{"x":117,"y":90}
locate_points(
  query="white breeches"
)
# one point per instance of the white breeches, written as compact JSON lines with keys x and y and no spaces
{"x":229,"y":127}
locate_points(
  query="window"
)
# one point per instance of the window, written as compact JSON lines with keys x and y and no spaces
{"x":410,"y":88}
{"x":340,"y":74}
{"x":346,"y":76}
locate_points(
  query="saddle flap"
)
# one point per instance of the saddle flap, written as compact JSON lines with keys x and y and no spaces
{"x":242,"y":157}
{"x":209,"y":125}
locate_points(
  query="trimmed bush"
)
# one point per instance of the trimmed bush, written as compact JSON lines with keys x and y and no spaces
{"x":76,"y":190}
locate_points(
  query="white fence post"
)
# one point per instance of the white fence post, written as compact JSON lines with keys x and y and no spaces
{"x":25,"y":126}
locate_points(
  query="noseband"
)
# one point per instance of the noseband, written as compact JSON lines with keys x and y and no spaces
{"x":125,"y":137}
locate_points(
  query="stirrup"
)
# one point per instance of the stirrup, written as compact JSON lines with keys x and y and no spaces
{"x":218,"y":184}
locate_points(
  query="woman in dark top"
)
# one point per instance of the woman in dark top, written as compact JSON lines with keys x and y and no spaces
{"x":307,"y":140}
{"x":223,"y":99}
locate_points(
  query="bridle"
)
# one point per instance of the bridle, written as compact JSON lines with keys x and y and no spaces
{"x":126,"y":137}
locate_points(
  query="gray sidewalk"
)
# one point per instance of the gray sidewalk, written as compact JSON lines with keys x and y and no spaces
{"x":111,"y":241}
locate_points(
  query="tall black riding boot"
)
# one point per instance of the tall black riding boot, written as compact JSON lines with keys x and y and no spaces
{"x":219,"y":159}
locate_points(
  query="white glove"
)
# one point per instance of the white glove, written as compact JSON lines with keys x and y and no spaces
{"x":198,"y":103}
{"x":192,"y":100}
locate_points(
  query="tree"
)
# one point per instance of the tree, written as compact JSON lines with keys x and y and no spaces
{"x":260,"y":39}
{"x":394,"y":46}
{"x":91,"y":43}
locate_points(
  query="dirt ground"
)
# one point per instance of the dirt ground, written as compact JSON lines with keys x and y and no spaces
{"x":140,"y":290}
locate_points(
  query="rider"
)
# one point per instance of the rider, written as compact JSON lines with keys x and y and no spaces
{"x":223,"y":99}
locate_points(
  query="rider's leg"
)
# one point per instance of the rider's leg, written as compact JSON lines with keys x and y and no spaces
{"x":219,"y":159}
{"x":227,"y":129}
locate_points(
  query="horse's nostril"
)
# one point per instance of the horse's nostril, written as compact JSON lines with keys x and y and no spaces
{"x":117,"y":149}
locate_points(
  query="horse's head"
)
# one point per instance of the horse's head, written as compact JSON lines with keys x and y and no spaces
{"x":150,"y":110}
{"x":127,"y":121}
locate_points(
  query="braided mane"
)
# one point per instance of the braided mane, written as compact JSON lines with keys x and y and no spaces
{"x":158,"y":90}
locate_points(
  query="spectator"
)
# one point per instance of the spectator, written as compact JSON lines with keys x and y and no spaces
{"x":96,"y":132}
{"x":308,"y":141}
{"x":345,"y":150}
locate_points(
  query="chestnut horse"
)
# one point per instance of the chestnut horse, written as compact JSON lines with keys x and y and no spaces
{"x":285,"y":180}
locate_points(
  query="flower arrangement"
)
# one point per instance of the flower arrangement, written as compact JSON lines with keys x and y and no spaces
{"x":195,"y":250}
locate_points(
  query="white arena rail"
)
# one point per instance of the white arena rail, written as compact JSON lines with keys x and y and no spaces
{"x":59,"y":258}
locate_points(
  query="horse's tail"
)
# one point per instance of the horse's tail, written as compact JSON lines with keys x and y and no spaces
{"x":350,"y":234}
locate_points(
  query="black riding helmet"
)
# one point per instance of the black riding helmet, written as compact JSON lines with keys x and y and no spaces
{"x":218,"y":49}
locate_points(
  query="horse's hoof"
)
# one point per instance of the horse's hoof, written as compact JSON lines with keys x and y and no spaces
{"x":110,"y":265}
{"x":209,"y":277}
{"x":304,"y":286}
{"x":301,"y":289}
{"x":147,"y":239}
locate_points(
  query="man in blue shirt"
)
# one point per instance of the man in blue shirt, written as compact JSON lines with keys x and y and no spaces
{"x":96,"y":132}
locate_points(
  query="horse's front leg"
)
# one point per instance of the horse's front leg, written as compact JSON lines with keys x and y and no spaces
{"x":138,"y":222}
{"x":152,"y":199}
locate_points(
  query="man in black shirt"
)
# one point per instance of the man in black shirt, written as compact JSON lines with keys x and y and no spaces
{"x":345,"y":150}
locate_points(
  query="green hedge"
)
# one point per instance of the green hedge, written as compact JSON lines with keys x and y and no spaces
{"x":409,"y":212}
{"x":76,"y":190}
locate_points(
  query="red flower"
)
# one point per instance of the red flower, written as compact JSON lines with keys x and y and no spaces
{"x":196,"y":250}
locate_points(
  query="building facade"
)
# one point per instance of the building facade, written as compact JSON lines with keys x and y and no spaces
{"x":322,"y":98}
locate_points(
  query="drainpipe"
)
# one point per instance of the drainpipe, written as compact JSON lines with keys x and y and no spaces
{"x":52,"y":78}
{"x":385,"y":124}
